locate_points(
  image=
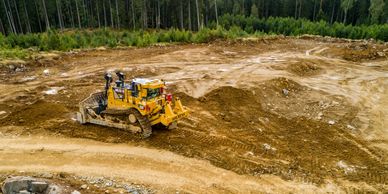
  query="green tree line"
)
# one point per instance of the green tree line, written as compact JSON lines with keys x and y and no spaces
{"x":26,"y":16}
{"x":294,"y":27}
{"x":230,"y":27}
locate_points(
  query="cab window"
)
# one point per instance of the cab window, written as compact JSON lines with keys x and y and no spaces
{"x":152,"y":93}
{"x":118,"y":93}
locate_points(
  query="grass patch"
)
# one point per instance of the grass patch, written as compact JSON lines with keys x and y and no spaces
{"x":14,"y":53}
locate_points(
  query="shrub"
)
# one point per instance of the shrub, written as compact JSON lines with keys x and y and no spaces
{"x":53,"y":41}
{"x":14,"y":53}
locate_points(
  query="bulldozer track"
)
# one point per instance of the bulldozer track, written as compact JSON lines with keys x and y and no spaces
{"x":144,"y":123}
{"x":122,"y":116}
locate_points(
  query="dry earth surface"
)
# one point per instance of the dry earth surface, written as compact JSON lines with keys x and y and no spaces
{"x":272,"y":115}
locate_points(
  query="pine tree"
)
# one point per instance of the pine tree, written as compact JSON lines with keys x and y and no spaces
{"x":236,"y":8}
{"x":376,"y":10}
{"x":346,"y":5}
{"x":254,"y":11}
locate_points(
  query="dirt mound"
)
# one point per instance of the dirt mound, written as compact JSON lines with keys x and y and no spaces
{"x":304,"y":68}
{"x":35,"y":113}
{"x":323,"y":38}
{"x":278,"y":84}
{"x":236,"y":129}
{"x":282,"y":96}
{"x":361,"y":51}
{"x":237,"y":107}
{"x":279,"y":89}
{"x":362,"y":55}
{"x":226,"y":96}
{"x":229,"y":95}
{"x":185,"y":98}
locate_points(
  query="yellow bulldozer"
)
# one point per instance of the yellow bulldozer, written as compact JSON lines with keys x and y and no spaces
{"x":135,"y":106}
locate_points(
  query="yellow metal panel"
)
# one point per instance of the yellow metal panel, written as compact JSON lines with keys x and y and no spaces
{"x":154,"y":105}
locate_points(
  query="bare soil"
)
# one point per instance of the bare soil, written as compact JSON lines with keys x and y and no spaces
{"x":269,"y":115}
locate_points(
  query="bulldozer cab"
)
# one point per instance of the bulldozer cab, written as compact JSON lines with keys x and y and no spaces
{"x":146,"y":89}
{"x":139,"y":92}
{"x":139,"y":88}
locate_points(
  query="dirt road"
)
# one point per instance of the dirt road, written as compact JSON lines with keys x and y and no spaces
{"x":162,"y":170}
{"x":280,"y":114}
